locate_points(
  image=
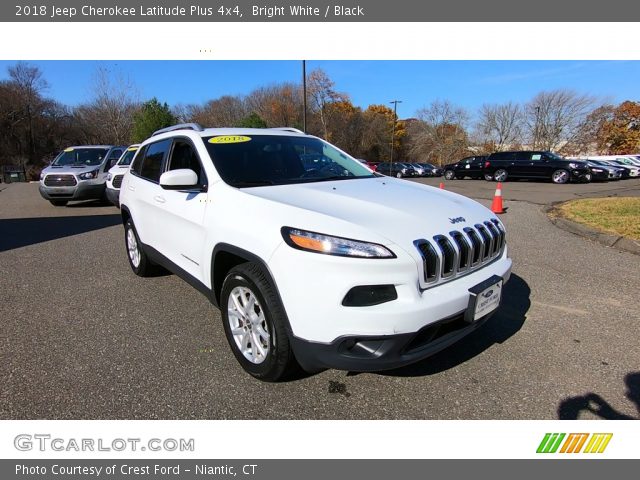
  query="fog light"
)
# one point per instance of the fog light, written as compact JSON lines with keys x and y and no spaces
{"x":368,"y":295}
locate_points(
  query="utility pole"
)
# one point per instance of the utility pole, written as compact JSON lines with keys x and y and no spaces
{"x":393,"y":129}
{"x":536,"y":130}
{"x":304,"y":96}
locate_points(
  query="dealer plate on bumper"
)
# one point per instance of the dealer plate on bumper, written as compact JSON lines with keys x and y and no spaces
{"x":484,"y":298}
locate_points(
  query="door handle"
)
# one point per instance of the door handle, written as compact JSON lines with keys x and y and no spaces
{"x":159,"y":199}
{"x":132,"y":188}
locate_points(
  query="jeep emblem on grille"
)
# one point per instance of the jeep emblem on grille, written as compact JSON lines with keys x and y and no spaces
{"x":457,"y":220}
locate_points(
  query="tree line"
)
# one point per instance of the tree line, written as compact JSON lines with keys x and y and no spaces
{"x":36,"y":127}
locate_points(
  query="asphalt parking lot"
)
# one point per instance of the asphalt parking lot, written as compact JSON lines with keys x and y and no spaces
{"x":82,"y":337}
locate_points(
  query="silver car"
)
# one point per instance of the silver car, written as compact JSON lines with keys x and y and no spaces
{"x":78,"y":173}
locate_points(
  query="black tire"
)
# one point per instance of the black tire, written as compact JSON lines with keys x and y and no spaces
{"x":501,"y":174}
{"x":279,"y":363}
{"x":144,"y":267}
{"x":449,"y":175}
{"x":58,"y":203}
{"x":560,"y":176}
{"x":488,"y":177}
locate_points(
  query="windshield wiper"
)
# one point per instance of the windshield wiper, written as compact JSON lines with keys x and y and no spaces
{"x":257,"y":183}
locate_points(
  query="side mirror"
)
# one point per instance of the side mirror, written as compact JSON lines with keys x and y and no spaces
{"x":181,"y":179}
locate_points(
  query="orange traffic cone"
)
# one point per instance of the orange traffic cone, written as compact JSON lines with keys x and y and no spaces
{"x":496,"y":206}
{"x":442,"y":185}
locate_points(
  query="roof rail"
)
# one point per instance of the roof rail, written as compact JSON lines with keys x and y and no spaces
{"x":288,"y":129}
{"x":181,"y":126}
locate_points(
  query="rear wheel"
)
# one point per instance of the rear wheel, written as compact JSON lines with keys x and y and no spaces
{"x":255,"y":324}
{"x":449,"y":175}
{"x":488,"y":177}
{"x":500,"y":175}
{"x":560,"y":176}
{"x":58,"y":203}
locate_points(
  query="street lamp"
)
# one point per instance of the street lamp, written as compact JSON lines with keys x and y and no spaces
{"x":393,"y":129}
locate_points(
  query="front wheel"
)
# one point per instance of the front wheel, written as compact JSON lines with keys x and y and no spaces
{"x":488,"y":177}
{"x":138,"y":260}
{"x":560,"y":176}
{"x":399,"y":175}
{"x":449,"y":175}
{"x":255,"y":324}
{"x":58,"y":203}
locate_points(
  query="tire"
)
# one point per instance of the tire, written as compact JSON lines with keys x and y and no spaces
{"x":138,"y":260}
{"x":488,"y":177}
{"x":500,"y":175}
{"x":264,"y":324}
{"x":560,"y":176}
{"x":449,"y":175}
{"x":58,"y":203}
{"x":399,"y":175}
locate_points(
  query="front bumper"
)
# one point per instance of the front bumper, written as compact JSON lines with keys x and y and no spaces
{"x":81,"y":191}
{"x":376,"y":353}
{"x":113,"y":196}
{"x":312,"y":288}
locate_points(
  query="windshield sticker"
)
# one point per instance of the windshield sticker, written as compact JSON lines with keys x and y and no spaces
{"x":132,"y":149}
{"x":68,"y":149}
{"x":230,"y":139}
{"x":536,"y":156}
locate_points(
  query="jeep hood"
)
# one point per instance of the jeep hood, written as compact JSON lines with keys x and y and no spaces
{"x":398,"y":210}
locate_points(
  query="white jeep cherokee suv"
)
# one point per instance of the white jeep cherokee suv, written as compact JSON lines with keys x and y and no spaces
{"x":312,"y":258}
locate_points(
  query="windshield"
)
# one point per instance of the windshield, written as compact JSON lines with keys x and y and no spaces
{"x":81,"y":157}
{"x":128,"y":155}
{"x":260,"y":160}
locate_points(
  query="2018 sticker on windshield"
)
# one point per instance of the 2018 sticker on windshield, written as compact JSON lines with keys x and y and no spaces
{"x":68,"y":149}
{"x":230,"y":139}
{"x":132,"y":149}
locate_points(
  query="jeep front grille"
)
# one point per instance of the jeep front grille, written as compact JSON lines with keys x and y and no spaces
{"x":54,"y":180}
{"x":449,"y":256}
{"x":117,"y":181}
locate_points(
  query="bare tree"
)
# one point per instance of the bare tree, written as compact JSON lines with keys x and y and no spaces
{"x":226,"y":111}
{"x":279,"y":104}
{"x":29,"y":84}
{"x":439,"y":135}
{"x":321,"y":90}
{"x":555,"y":118}
{"x":500,"y":125}
{"x":108,"y":117}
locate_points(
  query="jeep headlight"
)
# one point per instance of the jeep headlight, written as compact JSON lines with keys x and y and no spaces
{"x":330,"y":245}
{"x":599,"y":170}
{"x":88,"y":175}
{"x":42,"y":174}
{"x":109,"y":176}
{"x":574,"y":165}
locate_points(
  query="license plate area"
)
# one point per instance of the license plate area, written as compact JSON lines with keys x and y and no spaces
{"x":484,"y":298}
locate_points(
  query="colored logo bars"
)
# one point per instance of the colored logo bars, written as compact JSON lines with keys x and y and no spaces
{"x":574,"y":443}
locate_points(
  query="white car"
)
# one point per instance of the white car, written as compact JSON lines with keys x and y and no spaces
{"x":327,"y":265}
{"x":116,"y":174}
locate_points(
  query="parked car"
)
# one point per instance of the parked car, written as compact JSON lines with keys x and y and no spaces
{"x":500,"y":166}
{"x":420,"y":170}
{"x":429,"y":169}
{"x":395,"y":169}
{"x":602,"y":172}
{"x":632,"y":169}
{"x":372,"y":165}
{"x":116,"y":174}
{"x":301,"y":269}
{"x":624,"y":172}
{"x":472,"y":167}
{"x":78,"y":173}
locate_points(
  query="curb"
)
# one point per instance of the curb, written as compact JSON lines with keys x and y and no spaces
{"x":607,"y":239}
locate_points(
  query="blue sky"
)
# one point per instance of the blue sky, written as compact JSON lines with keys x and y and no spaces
{"x":416,"y":83}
